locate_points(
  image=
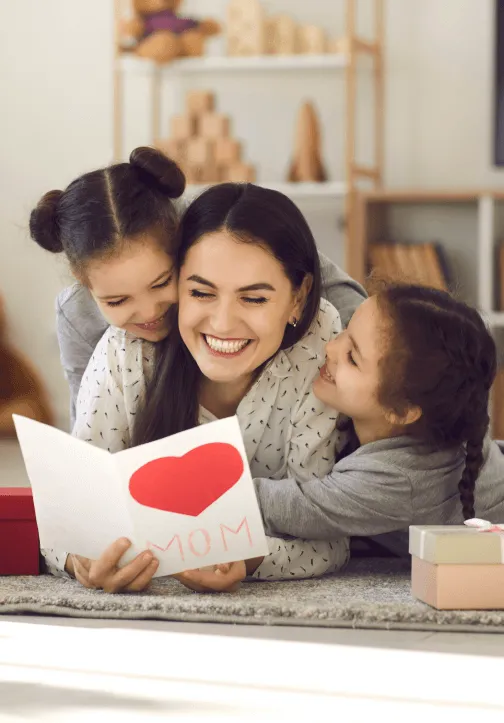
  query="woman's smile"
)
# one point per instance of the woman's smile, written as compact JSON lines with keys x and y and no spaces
{"x":228,"y":348}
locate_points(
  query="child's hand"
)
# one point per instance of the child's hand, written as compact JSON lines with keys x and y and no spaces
{"x":104,"y":573}
{"x":220,"y":578}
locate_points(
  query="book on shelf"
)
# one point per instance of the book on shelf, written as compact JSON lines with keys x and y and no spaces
{"x":498,"y":405}
{"x":423,"y":264}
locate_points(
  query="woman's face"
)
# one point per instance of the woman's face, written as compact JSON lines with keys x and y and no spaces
{"x":234,"y":304}
{"x":349,"y":380}
{"x":135,"y":288}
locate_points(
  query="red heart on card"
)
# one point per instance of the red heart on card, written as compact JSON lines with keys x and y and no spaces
{"x":188,"y":485}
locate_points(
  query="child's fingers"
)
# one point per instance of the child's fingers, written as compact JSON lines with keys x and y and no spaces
{"x":145,"y":577}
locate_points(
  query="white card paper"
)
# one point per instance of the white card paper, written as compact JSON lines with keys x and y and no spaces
{"x":189,"y":498}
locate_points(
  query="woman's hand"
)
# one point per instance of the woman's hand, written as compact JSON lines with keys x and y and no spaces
{"x":220,"y":578}
{"x":105,"y":574}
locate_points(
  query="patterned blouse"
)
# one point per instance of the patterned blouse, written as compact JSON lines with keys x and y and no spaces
{"x":287,"y":431}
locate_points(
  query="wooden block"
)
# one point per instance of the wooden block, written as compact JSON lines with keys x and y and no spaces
{"x":338,"y":45}
{"x":311,"y":40}
{"x":213,"y":126}
{"x":246,"y":28}
{"x":210,"y":173}
{"x":182,"y":127}
{"x":176,"y":150}
{"x":199,"y":152}
{"x":206,"y":173}
{"x":281,"y":35}
{"x":199,"y":102}
{"x":227,"y":151}
{"x":240,"y":173}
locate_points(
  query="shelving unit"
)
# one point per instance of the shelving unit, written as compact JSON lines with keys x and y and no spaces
{"x":345,"y":189}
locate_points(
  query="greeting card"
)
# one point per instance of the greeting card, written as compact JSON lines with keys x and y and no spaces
{"x":189,"y":498}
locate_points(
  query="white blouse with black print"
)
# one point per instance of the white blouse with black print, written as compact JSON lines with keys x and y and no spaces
{"x":287,"y":431}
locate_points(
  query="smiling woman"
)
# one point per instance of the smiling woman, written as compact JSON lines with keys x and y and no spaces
{"x":249,"y":342}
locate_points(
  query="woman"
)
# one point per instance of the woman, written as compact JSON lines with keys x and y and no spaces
{"x":285,"y":300}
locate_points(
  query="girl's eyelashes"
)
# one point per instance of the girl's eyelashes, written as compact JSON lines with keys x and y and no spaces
{"x":197,"y":294}
{"x":163,"y":285}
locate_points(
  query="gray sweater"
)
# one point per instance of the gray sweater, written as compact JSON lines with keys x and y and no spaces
{"x":381,"y":488}
{"x":80,"y":324}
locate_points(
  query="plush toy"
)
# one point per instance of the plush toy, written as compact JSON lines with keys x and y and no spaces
{"x":159,"y":34}
{"x":21,"y":391}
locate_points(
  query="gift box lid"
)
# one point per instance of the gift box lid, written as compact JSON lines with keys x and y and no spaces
{"x":456,"y":544}
{"x":16,"y":503}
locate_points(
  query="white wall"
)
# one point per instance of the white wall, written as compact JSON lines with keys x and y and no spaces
{"x":55,"y":65}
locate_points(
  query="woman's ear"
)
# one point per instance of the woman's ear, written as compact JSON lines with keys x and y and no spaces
{"x":411,"y":416}
{"x":301,"y":295}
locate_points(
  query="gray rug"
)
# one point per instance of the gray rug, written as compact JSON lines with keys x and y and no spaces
{"x":371,"y":593}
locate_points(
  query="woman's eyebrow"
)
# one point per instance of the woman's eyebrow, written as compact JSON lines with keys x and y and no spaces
{"x":200,"y":280}
{"x":260,"y":286}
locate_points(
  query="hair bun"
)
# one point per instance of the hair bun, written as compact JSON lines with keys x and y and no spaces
{"x":162,"y":169}
{"x":44,"y":226}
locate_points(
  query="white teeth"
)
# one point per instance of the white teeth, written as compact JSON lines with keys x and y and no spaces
{"x":225,"y":347}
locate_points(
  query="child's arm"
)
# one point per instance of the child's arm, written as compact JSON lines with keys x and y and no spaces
{"x":359,"y":497}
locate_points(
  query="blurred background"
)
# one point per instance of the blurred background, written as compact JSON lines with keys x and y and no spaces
{"x":404,"y":107}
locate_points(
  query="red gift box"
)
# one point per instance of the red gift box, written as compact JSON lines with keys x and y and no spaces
{"x":19,"y":541}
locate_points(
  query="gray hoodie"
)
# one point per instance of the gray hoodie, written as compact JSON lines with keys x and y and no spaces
{"x":382,"y":488}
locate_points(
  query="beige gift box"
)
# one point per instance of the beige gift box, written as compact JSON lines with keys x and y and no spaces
{"x":456,"y":544}
{"x":458,"y":587}
{"x":458,"y":567}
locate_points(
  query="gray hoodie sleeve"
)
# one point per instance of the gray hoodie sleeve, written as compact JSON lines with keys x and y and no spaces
{"x":340,"y":289}
{"x":79,"y":326}
{"x":367,"y":497}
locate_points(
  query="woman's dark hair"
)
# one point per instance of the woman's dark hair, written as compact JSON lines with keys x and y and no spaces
{"x":104,"y":207}
{"x":251,"y":214}
{"x":441,"y":358}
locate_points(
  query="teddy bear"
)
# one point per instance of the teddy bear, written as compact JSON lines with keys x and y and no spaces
{"x":158,"y":33}
{"x":21,"y":391}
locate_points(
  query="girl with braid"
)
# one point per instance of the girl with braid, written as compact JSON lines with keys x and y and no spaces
{"x":412,"y":372}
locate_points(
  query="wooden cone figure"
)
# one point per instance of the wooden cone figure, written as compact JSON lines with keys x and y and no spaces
{"x":307,"y":164}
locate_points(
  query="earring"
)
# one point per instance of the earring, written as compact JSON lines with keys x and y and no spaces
{"x":294,"y":322}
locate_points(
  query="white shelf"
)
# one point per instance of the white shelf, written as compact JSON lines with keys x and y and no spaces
{"x":210,"y":64}
{"x":495,"y":318}
{"x":328,"y":190}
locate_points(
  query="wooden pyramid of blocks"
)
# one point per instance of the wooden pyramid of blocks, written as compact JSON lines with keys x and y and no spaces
{"x":201,"y":143}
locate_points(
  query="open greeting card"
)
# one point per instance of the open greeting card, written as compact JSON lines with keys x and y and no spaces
{"x":189,"y":498}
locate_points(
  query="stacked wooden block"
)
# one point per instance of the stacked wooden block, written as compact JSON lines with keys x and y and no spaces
{"x":202,"y":145}
{"x":409,"y":263}
{"x":455,"y":567}
{"x":250,"y":31}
